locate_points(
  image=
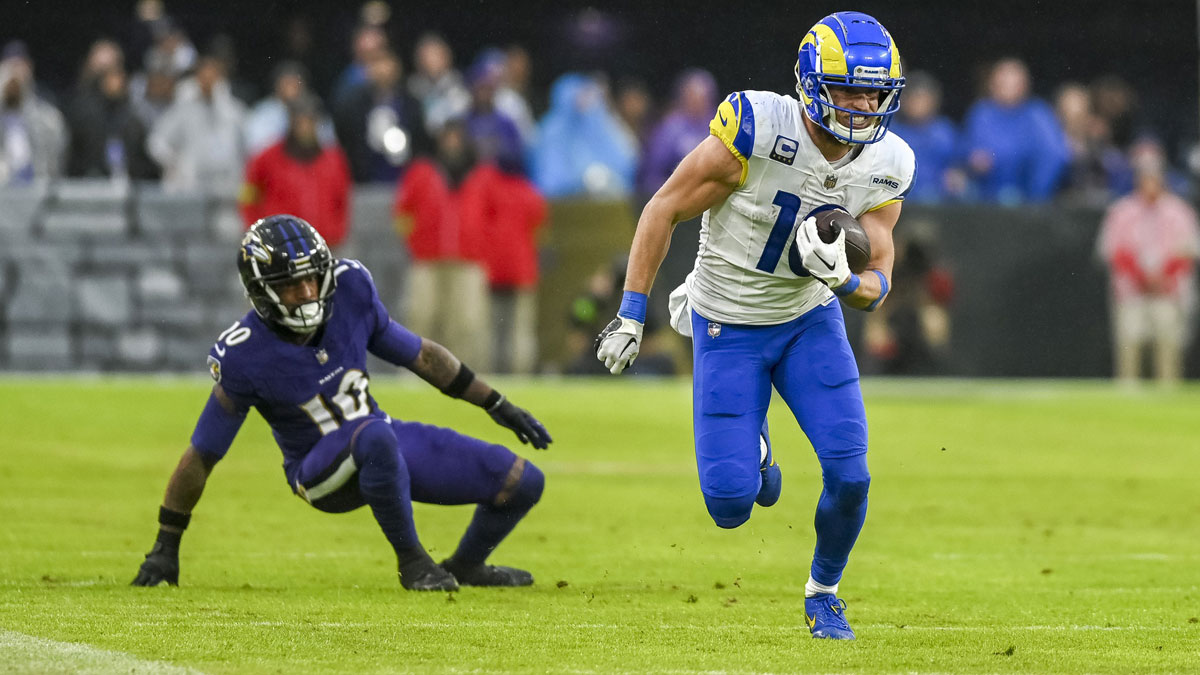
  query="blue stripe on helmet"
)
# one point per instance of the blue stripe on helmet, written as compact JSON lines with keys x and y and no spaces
{"x":299,"y":235}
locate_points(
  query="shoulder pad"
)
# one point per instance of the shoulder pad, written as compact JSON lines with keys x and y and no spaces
{"x":344,"y":264}
{"x":734,"y":125}
{"x":355,"y":285}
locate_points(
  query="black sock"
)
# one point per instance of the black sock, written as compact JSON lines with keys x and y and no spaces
{"x":383,"y":481}
{"x":492,"y":523}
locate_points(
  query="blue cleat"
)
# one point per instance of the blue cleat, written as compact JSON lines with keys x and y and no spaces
{"x":826,"y":617}
{"x":772,"y":477}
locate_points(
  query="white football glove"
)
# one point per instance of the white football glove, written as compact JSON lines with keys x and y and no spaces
{"x":619,"y":344}
{"x":826,"y":262}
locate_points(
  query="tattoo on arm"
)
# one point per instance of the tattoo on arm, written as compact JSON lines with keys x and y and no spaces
{"x":438,"y":366}
{"x":435,"y":364}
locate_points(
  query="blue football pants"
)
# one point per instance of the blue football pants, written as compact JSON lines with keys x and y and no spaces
{"x":809,"y":362}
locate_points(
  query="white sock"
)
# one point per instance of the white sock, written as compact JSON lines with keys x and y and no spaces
{"x":813,"y":588}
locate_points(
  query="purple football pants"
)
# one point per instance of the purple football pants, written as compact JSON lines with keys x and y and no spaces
{"x":444,"y":467}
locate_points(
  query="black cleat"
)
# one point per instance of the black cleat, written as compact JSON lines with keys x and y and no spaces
{"x":488,"y":575}
{"x":432,"y":578}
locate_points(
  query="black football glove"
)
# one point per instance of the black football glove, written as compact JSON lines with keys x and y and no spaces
{"x":524,"y":425}
{"x":161,"y":564}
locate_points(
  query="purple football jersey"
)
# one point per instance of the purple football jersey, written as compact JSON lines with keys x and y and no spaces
{"x":304,"y":392}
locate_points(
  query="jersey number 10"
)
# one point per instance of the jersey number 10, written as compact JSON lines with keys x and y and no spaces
{"x":789,"y":208}
{"x":350,"y":399}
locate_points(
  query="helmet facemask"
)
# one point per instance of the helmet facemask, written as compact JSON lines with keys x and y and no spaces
{"x":305,"y":318}
{"x":815,"y":88}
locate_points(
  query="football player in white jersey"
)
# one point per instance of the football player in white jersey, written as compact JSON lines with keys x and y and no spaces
{"x":760,"y":303}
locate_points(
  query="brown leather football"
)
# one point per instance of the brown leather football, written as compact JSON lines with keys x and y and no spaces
{"x":858,"y":246}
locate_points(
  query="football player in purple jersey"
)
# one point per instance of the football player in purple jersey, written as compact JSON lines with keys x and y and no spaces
{"x":299,"y":358}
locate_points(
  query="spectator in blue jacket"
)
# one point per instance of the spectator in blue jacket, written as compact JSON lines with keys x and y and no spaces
{"x":581,"y":146}
{"x":933,"y":139}
{"x":1016,"y":150}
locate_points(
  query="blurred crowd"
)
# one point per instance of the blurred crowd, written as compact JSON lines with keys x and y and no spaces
{"x":471,"y":146}
{"x":1013,"y":148}
{"x":159,"y":108}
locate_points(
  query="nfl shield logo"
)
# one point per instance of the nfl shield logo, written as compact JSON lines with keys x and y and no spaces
{"x":214,"y":369}
{"x":830,"y":181}
{"x":714,"y":329}
{"x":322,"y":357}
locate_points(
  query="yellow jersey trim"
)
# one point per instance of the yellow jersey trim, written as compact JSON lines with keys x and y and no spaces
{"x":887,"y":203}
{"x":725,"y":125}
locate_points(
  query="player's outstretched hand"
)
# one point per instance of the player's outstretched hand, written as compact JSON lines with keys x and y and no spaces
{"x":161,"y":564}
{"x":619,"y":344}
{"x":524,"y":425}
{"x":826,"y":262}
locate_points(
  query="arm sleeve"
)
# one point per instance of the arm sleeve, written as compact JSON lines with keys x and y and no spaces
{"x":389,"y":340}
{"x":217,"y":427}
{"x":1125,"y":264}
{"x":395,"y":344}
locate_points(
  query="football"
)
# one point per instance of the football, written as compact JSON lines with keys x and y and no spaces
{"x":830,"y":221}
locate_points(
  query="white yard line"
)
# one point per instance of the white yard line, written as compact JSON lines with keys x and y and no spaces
{"x":603,"y":626}
{"x":21,"y":653}
{"x":1051,"y":557}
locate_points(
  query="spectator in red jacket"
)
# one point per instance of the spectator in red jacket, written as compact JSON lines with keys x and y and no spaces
{"x":508,"y":207}
{"x":446,"y":289}
{"x":1151,"y":240}
{"x":299,"y":176}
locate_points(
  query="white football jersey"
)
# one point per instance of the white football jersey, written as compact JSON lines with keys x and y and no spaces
{"x":747,"y":270}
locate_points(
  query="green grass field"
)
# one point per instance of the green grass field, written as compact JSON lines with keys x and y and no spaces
{"x":1014,"y":527}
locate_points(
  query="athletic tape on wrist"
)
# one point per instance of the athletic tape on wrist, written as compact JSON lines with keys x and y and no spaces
{"x":633,"y":306}
{"x":171,"y":518}
{"x":848,"y":287}
{"x":461,"y":381}
{"x":493,"y":401}
{"x":883,"y":291}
